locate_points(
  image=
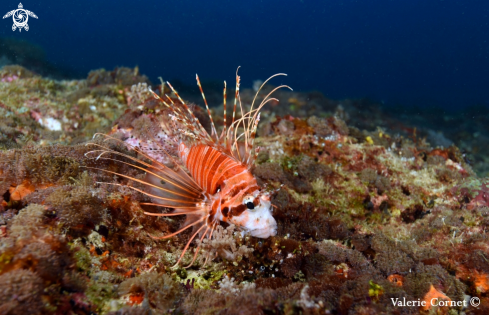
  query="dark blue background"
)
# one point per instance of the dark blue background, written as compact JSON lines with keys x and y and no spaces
{"x":424,"y":52}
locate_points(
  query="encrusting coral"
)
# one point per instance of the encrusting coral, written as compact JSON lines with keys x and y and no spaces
{"x":365,"y":214}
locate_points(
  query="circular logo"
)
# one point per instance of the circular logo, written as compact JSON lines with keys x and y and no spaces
{"x":475,"y":301}
{"x":20,"y":18}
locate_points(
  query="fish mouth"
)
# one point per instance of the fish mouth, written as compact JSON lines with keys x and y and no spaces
{"x":264,"y":232}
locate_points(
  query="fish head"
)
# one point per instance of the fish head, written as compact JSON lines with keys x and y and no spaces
{"x":256,"y":219}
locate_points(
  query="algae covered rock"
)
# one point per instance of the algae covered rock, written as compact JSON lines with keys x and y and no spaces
{"x":365,"y":213}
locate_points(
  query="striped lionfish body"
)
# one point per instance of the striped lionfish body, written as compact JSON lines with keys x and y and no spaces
{"x":234,"y":187}
{"x":206,"y":177}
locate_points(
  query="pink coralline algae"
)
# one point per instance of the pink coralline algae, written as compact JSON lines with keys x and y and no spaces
{"x":9,"y":78}
{"x":473,"y":192}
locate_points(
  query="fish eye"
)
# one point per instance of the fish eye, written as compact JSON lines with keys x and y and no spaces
{"x":248,"y":201}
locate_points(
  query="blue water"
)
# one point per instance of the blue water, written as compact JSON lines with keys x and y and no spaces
{"x":416,"y":52}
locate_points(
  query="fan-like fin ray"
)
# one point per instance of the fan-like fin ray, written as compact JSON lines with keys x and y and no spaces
{"x":147,"y":183}
{"x":179,"y":231}
{"x":188,"y":244}
{"x":162,"y":177}
{"x":185,"y":179}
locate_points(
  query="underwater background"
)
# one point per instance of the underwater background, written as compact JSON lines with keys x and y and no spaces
{"x":377,"y":163}
{"x":409,"y":53}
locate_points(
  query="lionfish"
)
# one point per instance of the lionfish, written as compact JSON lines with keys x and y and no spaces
{"x":206,"y":177}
